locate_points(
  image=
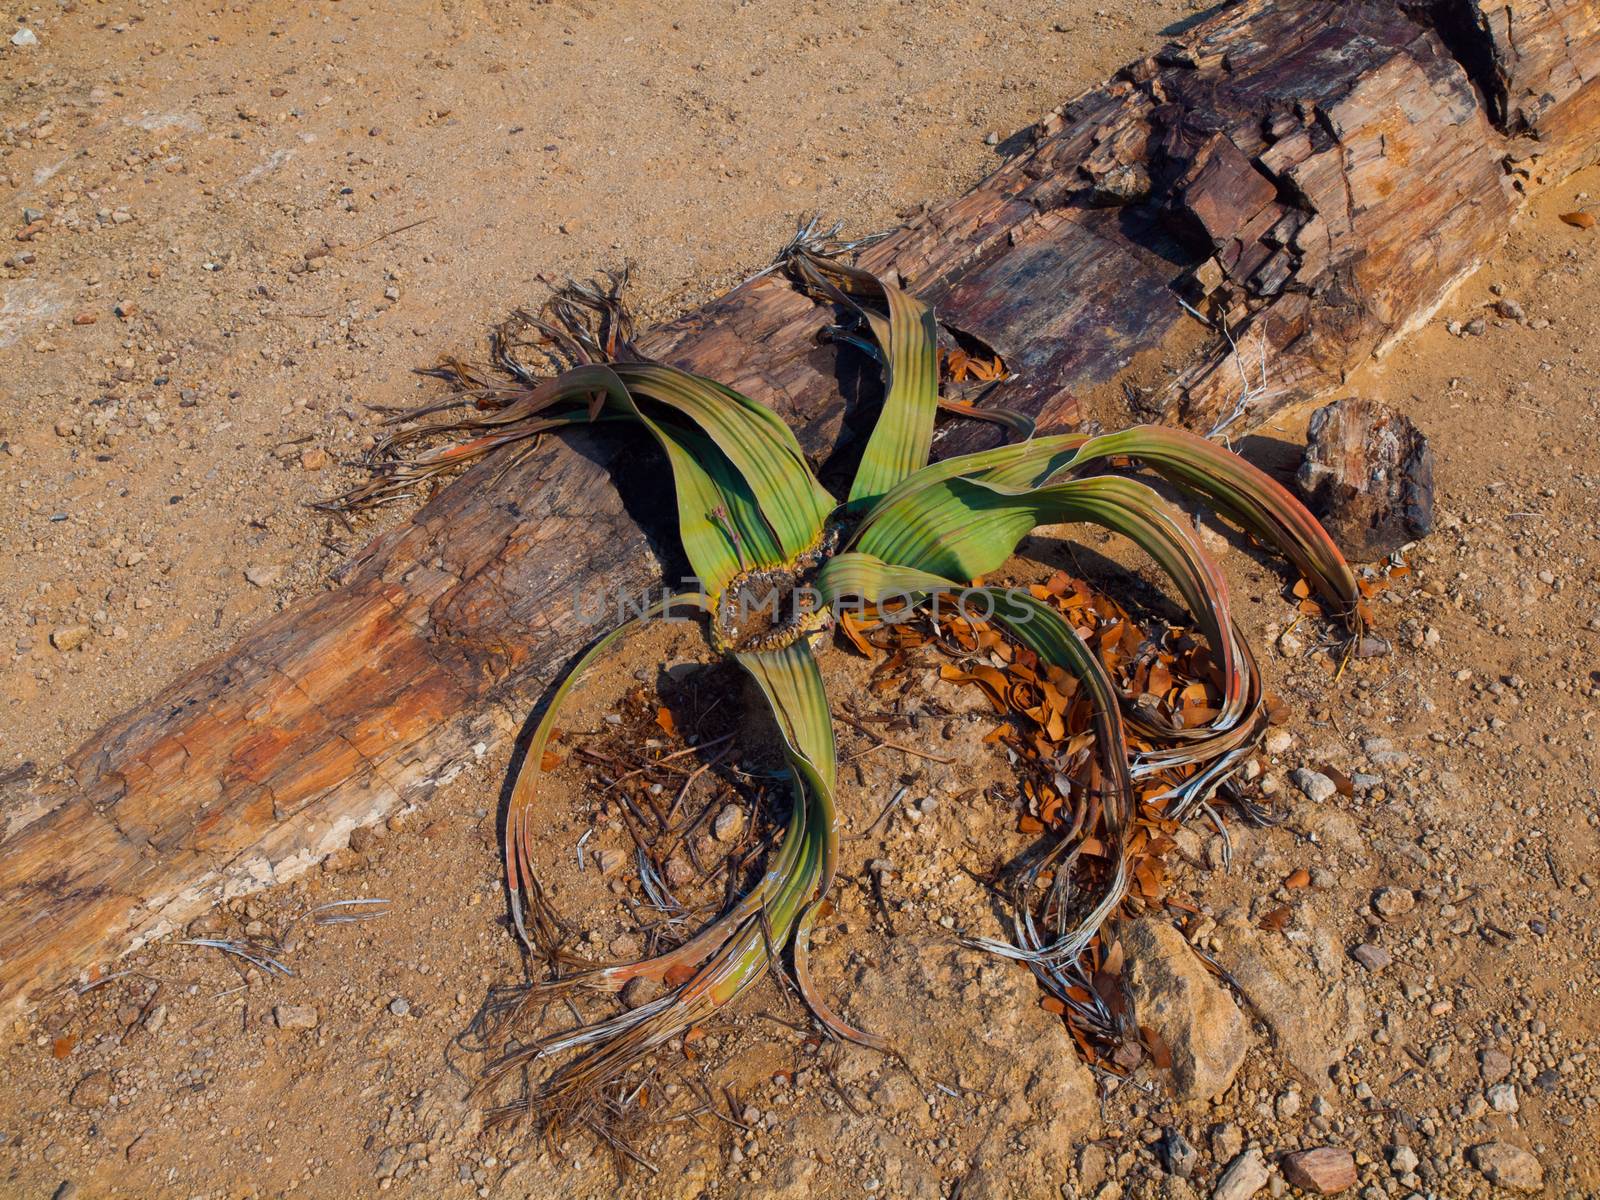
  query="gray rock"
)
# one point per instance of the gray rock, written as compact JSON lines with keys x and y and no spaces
{"x":1178,"y":1155}
{"x":1314,"y":785}
{"x":1509,"y":1166}
{"x":1246,"y":1175}
{"x":1510,"y":309}
{"x":1175,"y":995}
{"x":1403,"y":1160}
{"x":400,"y":1006}
{"x":1494,"y":1065}
{"x":388,"y":1162}
{"x":1373,"y":958}
{"x":1502,"y":1098}
{"x":262,"y":576}
{"x":729,"y":825}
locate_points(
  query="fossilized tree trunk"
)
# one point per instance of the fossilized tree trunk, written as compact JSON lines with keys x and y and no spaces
{"x":1536,"y":62}
{"x":1313,"y":175}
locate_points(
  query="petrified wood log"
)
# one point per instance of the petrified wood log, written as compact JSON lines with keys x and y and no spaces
{"x":1368,"y":475}
{"x":1534,"y":61}
{"x":1309,"y":178}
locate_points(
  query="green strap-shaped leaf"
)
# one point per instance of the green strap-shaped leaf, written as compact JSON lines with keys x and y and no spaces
{"x":1026,"y":464}
{"x":1244,"y":494}
{"x":761,"y":448}
{"x":864,"y":577}
{"x":733,"y":532}
{"x":966,"y":528}
{"x":721,"y":521}
{"x":958,"y":528}
{"x":1019,"y":423}
{"x":792,"y":684}
{"x":909,"y":341}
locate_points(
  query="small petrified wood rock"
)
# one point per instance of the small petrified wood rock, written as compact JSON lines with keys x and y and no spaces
{"x":1368,"y":474}
{"x":1324,"y":1171}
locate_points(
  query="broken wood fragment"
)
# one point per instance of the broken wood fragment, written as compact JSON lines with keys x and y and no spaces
{"x":1368,"y":477}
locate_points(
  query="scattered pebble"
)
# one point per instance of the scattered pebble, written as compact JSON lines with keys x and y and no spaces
{"x":729,"y":825}
{"x":1494,"y":1065}
{"x":295,"y":1016}
{"x":1403,"y":1160}
{"x":1502,"y":1098}
{"x":1316,"y":786}
{"x":679,"y":871}
{"x":70,"y":637}
{"x":1392,"y":903}
{"x":262,"y":576}
{"x":1178,"y":1154}
{"x":1324,"y":1171}
{"x":1509,"y":1166}
{"x":93,"y":1090}
{"x":1246,"y":1175}
{"x":639,"y":991}
{"x":1227,"y":1139}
